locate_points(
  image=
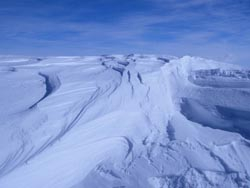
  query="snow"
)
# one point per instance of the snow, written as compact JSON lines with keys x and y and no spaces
{"x":123,"y":121}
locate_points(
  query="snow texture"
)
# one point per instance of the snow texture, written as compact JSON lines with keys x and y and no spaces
{"x":123,"y":121}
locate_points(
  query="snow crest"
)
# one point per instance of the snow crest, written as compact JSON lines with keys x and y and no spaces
{"x":123,"y":121}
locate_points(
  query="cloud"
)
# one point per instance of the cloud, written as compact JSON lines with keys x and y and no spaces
{"x":209,"y":28}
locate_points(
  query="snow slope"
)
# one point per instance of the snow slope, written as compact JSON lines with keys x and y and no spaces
{"x":123,"y":121}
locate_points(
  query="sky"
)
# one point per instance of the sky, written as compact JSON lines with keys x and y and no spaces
{"x":216,"y":29}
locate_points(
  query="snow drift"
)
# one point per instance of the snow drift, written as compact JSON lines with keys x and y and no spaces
{"x":123,"y":121}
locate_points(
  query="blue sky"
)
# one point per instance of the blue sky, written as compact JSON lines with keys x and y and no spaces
{"x":218,"y":29}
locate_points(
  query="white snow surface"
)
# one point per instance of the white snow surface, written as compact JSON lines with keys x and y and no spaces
{"x":123,"y":121}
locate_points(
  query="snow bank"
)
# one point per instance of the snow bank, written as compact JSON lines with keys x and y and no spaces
{"x":123,"y":121}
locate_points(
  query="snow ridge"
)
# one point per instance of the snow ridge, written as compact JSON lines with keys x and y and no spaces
{"x":123,"y":121}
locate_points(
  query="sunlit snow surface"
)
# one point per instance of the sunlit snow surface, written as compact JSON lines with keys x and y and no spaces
{"x":115,"y":121}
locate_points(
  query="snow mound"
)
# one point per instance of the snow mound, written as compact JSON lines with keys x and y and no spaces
{"x":123,"y":121}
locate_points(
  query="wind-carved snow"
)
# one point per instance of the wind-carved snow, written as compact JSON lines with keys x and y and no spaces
{"x":123,"y":121}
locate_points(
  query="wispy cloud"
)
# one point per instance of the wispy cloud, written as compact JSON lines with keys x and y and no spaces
{"x":209,"y":28}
